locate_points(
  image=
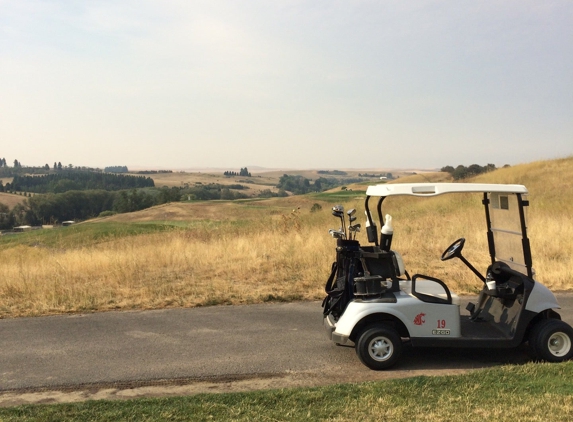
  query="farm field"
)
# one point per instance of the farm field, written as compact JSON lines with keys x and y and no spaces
{"x":252,"y":251}
{"x":258,"y":182}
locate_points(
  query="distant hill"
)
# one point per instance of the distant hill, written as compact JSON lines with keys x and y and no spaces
{"x":11,"y":200}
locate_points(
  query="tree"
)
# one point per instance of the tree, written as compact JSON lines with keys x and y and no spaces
{"x":296,"y":184}
{"x":460,"y":172}
{"x":7,"y":220}
{"x":59,"y":165}
{"x":318,"y":185}
{"x":226,"y":194}
{"x":47,"y":167}
{"x":16,"y":164}
{"x":475,"y":169}
{"x":55,"y":166}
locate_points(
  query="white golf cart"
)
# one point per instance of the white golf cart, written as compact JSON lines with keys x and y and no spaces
{"x":374,"y":303}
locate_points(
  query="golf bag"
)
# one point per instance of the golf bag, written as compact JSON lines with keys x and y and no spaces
{"x":361,"y":273}
{"x":340,"y":284}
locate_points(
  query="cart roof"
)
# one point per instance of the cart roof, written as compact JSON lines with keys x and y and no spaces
{"x":434,"y":189}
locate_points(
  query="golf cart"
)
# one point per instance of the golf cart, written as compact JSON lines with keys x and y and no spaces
{"x":373,"y":303}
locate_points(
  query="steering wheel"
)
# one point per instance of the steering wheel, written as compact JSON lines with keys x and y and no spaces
{"x":454,"y":250}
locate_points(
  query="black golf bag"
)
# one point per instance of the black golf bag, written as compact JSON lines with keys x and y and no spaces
{"x":360,"y":273}
{"x":339,"y":286}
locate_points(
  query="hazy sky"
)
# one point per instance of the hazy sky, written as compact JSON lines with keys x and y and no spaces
{"x":289,"y":84}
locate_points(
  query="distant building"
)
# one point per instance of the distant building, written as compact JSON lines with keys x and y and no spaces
{"x":21,"y":229}
{"x":67,"y":223}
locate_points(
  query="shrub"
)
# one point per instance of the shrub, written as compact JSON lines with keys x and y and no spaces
{"x":107,"y":213}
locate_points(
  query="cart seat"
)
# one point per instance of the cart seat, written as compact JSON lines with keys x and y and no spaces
{"x":432,"y":290}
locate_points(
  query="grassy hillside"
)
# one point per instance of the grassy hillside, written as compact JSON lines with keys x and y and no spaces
{"x":195,"y":254}
{"x":256,"y":183}
{"x":11,"y":199}
{"x":259,"y":180}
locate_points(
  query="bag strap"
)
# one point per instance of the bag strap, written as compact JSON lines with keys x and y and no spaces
{"x":329,"y":283}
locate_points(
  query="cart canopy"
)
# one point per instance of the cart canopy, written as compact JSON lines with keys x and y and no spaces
{"x":434,"y":189}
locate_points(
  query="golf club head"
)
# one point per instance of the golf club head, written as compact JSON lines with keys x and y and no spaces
{"x":351,"y":212}
{"x":355,"y":228}
{"x":351,"y":218}
{"x":338,"y":214}
{"x":338,"y":208}
{"x":352,"y":230}
{"x":337,"y":234}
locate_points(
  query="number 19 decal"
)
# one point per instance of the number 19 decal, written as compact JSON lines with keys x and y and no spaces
{"x":441,"y":329}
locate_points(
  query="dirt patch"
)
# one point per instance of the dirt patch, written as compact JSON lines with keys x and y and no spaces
{"x":189,"y":387}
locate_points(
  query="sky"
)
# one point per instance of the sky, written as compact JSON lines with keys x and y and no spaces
{"x":285,"y":83}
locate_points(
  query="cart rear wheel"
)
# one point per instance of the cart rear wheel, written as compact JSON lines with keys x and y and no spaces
{"x":552,"y":340}
{"x":379,"y":347}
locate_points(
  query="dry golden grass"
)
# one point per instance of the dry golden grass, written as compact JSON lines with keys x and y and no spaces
{"x":11,"y":200}
{"x":247,"y":252}
{"x":186,"y":267}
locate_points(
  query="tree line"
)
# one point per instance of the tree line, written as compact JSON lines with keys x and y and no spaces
{"x":19,"y":168}
{"x":389,"y":176}
{"x":243,"y":172}
{"x":333,"y":172}
{"x":77,"y":205}
{"x":153,"y":171}
{"x":116,"y":169}
{"x":463,"y":172}
{"x":52,"y":208}
{"x":300,"y":185}
{"x":76,"y":180}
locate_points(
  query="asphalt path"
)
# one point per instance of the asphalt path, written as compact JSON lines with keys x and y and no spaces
{"x":215,"y":344}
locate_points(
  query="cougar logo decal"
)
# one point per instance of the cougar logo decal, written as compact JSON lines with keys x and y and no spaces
{"x":419,"y":320}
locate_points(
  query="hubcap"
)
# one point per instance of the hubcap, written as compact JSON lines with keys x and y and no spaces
{"x":380,"y":348}
{"x":559,"y":344}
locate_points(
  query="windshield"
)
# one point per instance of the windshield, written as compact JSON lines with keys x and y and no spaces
{"x":506,"y":228}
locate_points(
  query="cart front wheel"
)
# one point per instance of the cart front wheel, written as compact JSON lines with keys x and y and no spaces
{"x":379,"y":347}
{"x":552,"y":340}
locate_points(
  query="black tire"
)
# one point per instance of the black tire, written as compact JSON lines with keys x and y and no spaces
{"x":379,"y":347}
{"x":551,"y":340}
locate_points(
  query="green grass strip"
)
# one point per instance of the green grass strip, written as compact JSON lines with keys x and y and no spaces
{"x":531,"y":392}
{"x":81,"y":234}
{"x":343,"y":195}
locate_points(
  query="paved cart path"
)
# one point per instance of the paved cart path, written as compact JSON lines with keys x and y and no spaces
{"x":180,"y":351}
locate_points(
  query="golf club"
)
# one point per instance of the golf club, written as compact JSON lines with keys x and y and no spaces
{"x":338,"y":211}
{"x":352,"y":230}
{"x":337,"y":234}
